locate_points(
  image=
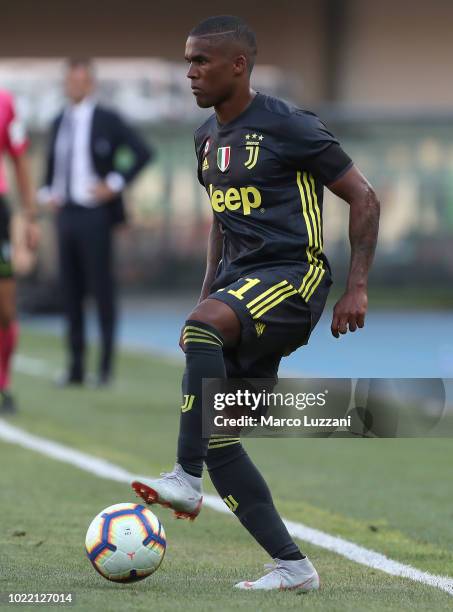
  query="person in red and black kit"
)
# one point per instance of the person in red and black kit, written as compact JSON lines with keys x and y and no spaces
{"x":93,"y":155}
{"x":13,"y":143}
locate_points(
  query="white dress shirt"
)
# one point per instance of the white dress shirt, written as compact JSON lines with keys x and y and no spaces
{"x":82,"y":175}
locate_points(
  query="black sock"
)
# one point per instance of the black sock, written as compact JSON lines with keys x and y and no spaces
{"x":243,"y":489}
{"x":204,"y":359}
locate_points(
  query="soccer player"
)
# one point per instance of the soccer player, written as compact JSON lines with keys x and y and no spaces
{"x":264,"y":164}
{"x":13,"y":141}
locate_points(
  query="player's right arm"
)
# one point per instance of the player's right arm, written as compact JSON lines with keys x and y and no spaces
{"x":214,"y":255}
{"x":215,"y":241}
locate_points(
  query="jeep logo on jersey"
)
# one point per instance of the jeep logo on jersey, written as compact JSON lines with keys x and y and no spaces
{"x":234,"y":199}
{"x":223,"y":158}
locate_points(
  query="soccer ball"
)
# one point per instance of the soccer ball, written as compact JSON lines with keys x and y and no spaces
{"x":125,"y":542}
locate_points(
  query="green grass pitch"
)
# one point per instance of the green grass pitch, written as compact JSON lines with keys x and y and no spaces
{"x":393,"y":496}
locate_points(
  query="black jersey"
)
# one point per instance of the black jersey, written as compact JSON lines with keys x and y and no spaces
{"x":264,"y":173}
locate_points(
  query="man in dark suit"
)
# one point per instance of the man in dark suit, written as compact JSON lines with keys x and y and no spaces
{"x":93,"y":155}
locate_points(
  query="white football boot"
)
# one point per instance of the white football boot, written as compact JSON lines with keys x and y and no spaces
{"x":174,"y":490}
{"x":284,"y":575}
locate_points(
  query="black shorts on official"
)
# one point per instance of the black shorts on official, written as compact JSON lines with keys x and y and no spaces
{"x":274,"y":317}
{"x":6,"y":269}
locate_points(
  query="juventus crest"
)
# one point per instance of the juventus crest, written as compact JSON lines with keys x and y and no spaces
{"x":253,"y":142}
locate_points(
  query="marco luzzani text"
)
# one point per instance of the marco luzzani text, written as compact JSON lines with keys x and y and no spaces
{"x":257,"y":401}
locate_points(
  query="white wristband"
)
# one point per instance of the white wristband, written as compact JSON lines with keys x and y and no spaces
{"x":115,"y":181}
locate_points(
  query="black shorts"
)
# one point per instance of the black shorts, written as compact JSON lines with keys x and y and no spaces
{"x":6,"y":269}
{"x":274,"y":317}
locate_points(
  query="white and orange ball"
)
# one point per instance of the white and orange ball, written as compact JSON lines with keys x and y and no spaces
{"x":125,"y":542}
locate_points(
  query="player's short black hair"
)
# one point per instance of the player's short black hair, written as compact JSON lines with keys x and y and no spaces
{"x":232,"y":28}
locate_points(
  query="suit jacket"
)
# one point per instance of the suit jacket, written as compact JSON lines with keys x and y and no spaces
{"x":114,"y":146}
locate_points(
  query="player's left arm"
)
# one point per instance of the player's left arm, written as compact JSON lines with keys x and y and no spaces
{"x":353,"y":188}
{"x":16,"y":146}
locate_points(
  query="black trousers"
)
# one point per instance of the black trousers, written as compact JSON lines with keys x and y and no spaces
{"x":85,"y":243}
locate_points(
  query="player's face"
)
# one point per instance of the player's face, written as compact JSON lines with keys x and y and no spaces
{"x":211,"y":71}
{"x":78,"y":83}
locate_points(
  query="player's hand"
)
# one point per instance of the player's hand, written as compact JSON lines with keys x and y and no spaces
{"x":102,"y":192}
{"x":32,"y":234}
{"x":349,"y":312}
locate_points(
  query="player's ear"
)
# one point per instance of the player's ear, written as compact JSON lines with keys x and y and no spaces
{"x":240,"y":65}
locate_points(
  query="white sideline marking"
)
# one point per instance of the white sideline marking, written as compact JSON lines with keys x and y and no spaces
{"x":105,"y":469}
{"x":34,"y":367}
{"x":42,"y":369}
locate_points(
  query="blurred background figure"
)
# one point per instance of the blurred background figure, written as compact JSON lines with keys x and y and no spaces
{"x":13,"y":141}
{"x":93,"y":155}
